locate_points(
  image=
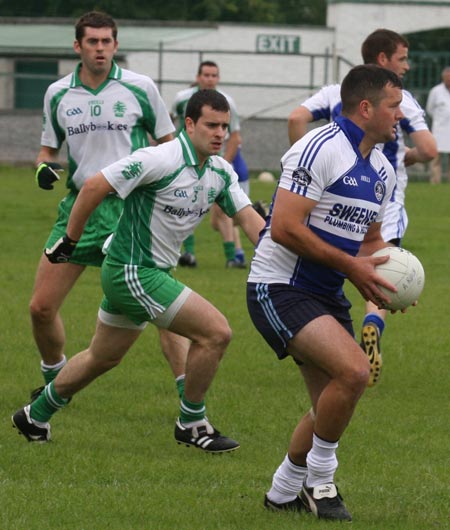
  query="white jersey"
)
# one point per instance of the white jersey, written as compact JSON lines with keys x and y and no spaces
{"x":102,"y":125}
{"x":326,"y":104}
{"x":351,"y":193}
{"x":166,"y":196}
{"x":438,"y":107}
{"x":182,"y":98}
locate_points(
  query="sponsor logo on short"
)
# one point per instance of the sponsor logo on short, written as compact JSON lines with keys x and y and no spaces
{"x":302,"y":176}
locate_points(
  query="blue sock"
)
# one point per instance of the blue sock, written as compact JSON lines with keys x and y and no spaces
{"x":239,"y":255}
{"x":375,"y":319}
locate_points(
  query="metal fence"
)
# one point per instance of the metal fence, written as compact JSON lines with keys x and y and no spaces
{"x":263,"y":84}
{"x":425,"y":72}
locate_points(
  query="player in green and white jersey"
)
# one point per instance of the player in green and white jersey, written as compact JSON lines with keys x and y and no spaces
{"x":208,"y":78}
{"x":167,"y":191}
{"x":102,"y":112}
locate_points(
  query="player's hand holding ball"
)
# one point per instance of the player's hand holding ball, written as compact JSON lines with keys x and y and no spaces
{"x":47,"y":173}
{"x":405,"y":272}
{"x":62,"y":250}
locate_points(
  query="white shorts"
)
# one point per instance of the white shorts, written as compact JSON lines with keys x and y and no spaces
{"x":395,"y":222}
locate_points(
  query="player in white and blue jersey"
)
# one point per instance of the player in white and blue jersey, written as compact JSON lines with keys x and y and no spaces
{"x":324,"y":224}
{"x":167,"y":191}
{"x":389,"y":50}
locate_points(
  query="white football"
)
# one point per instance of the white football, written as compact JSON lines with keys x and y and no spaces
{"x":266,"y":176}
{"x":404,"y":271}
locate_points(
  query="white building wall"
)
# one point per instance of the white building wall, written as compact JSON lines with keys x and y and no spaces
{"x":222,"y":44}
{"x":353,"y":21}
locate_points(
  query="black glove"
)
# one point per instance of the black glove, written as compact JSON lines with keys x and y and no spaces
{"x":261,"y":208}
{"x":46,"y":174}
{"x":61,"y":250}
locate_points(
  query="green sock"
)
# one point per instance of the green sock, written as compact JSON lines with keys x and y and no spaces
{"x":230,"y":250}
{"x":179,"y":381}
{"x":191,"y":411}
{"x":51,"y":371}
{"x":43,"y":408}
{"x":189,"y":244}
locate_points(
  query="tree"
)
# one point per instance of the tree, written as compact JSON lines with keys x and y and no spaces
{"x":254,"y":11}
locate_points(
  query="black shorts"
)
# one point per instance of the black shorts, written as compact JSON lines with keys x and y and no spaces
{"x":280,"y":311}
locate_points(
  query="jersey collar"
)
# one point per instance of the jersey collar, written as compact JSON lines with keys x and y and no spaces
{"x":354,"y":133}
{"x":114,"y":73}
{"x":189,"y":154}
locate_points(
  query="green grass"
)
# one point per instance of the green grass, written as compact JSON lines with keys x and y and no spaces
{"x":114,"y":464}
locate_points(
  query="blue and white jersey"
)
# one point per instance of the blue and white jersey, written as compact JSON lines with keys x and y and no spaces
{"x":326,"y":104}
{"x":351,"y":193}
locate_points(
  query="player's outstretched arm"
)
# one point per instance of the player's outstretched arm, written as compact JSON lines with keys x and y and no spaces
{"x":92,"y":193}
{"x":251,"y":223}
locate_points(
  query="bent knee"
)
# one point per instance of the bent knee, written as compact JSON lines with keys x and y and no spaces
{"x":358,"y":378}
{"x":217,"y":336}
{"x":222,"y":334}
{"x":42,"y":310}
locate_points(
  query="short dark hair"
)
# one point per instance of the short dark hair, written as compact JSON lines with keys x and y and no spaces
{"x":202,"y":98}
{"x":381,"y":41}
{"x":366,"y":81}
{"x":206,"y":63}
{"x":94,"y":19}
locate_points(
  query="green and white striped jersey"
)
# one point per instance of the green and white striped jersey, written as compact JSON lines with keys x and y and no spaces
{"x":105,"y":124}
{"x":166,"y":196}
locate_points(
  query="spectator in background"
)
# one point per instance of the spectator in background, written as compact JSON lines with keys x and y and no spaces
{"x":208,"y":78}
{"x":438,"y":108}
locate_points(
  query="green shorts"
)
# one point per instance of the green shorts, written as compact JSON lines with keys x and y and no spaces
{"x":135,"y":295}
{"x":100,"y":225}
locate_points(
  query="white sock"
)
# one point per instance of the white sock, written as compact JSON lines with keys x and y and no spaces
{"x":321,"y":462}
{"x":287,"y":482}
{"x":57,"y":366}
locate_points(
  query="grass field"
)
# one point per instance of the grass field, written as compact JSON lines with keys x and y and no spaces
{"x":113,"y":462}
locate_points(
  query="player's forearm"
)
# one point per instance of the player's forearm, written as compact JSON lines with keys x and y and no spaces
{"x":424,"y":149}
{"x":298,"y":123}
{"x":46,"y":154}
{"x":251,"y":223}
{"x":302,"y":241}
{"x":232,"y":146}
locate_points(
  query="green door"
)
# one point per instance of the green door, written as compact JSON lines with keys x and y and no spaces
{"x":31,"y":81}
